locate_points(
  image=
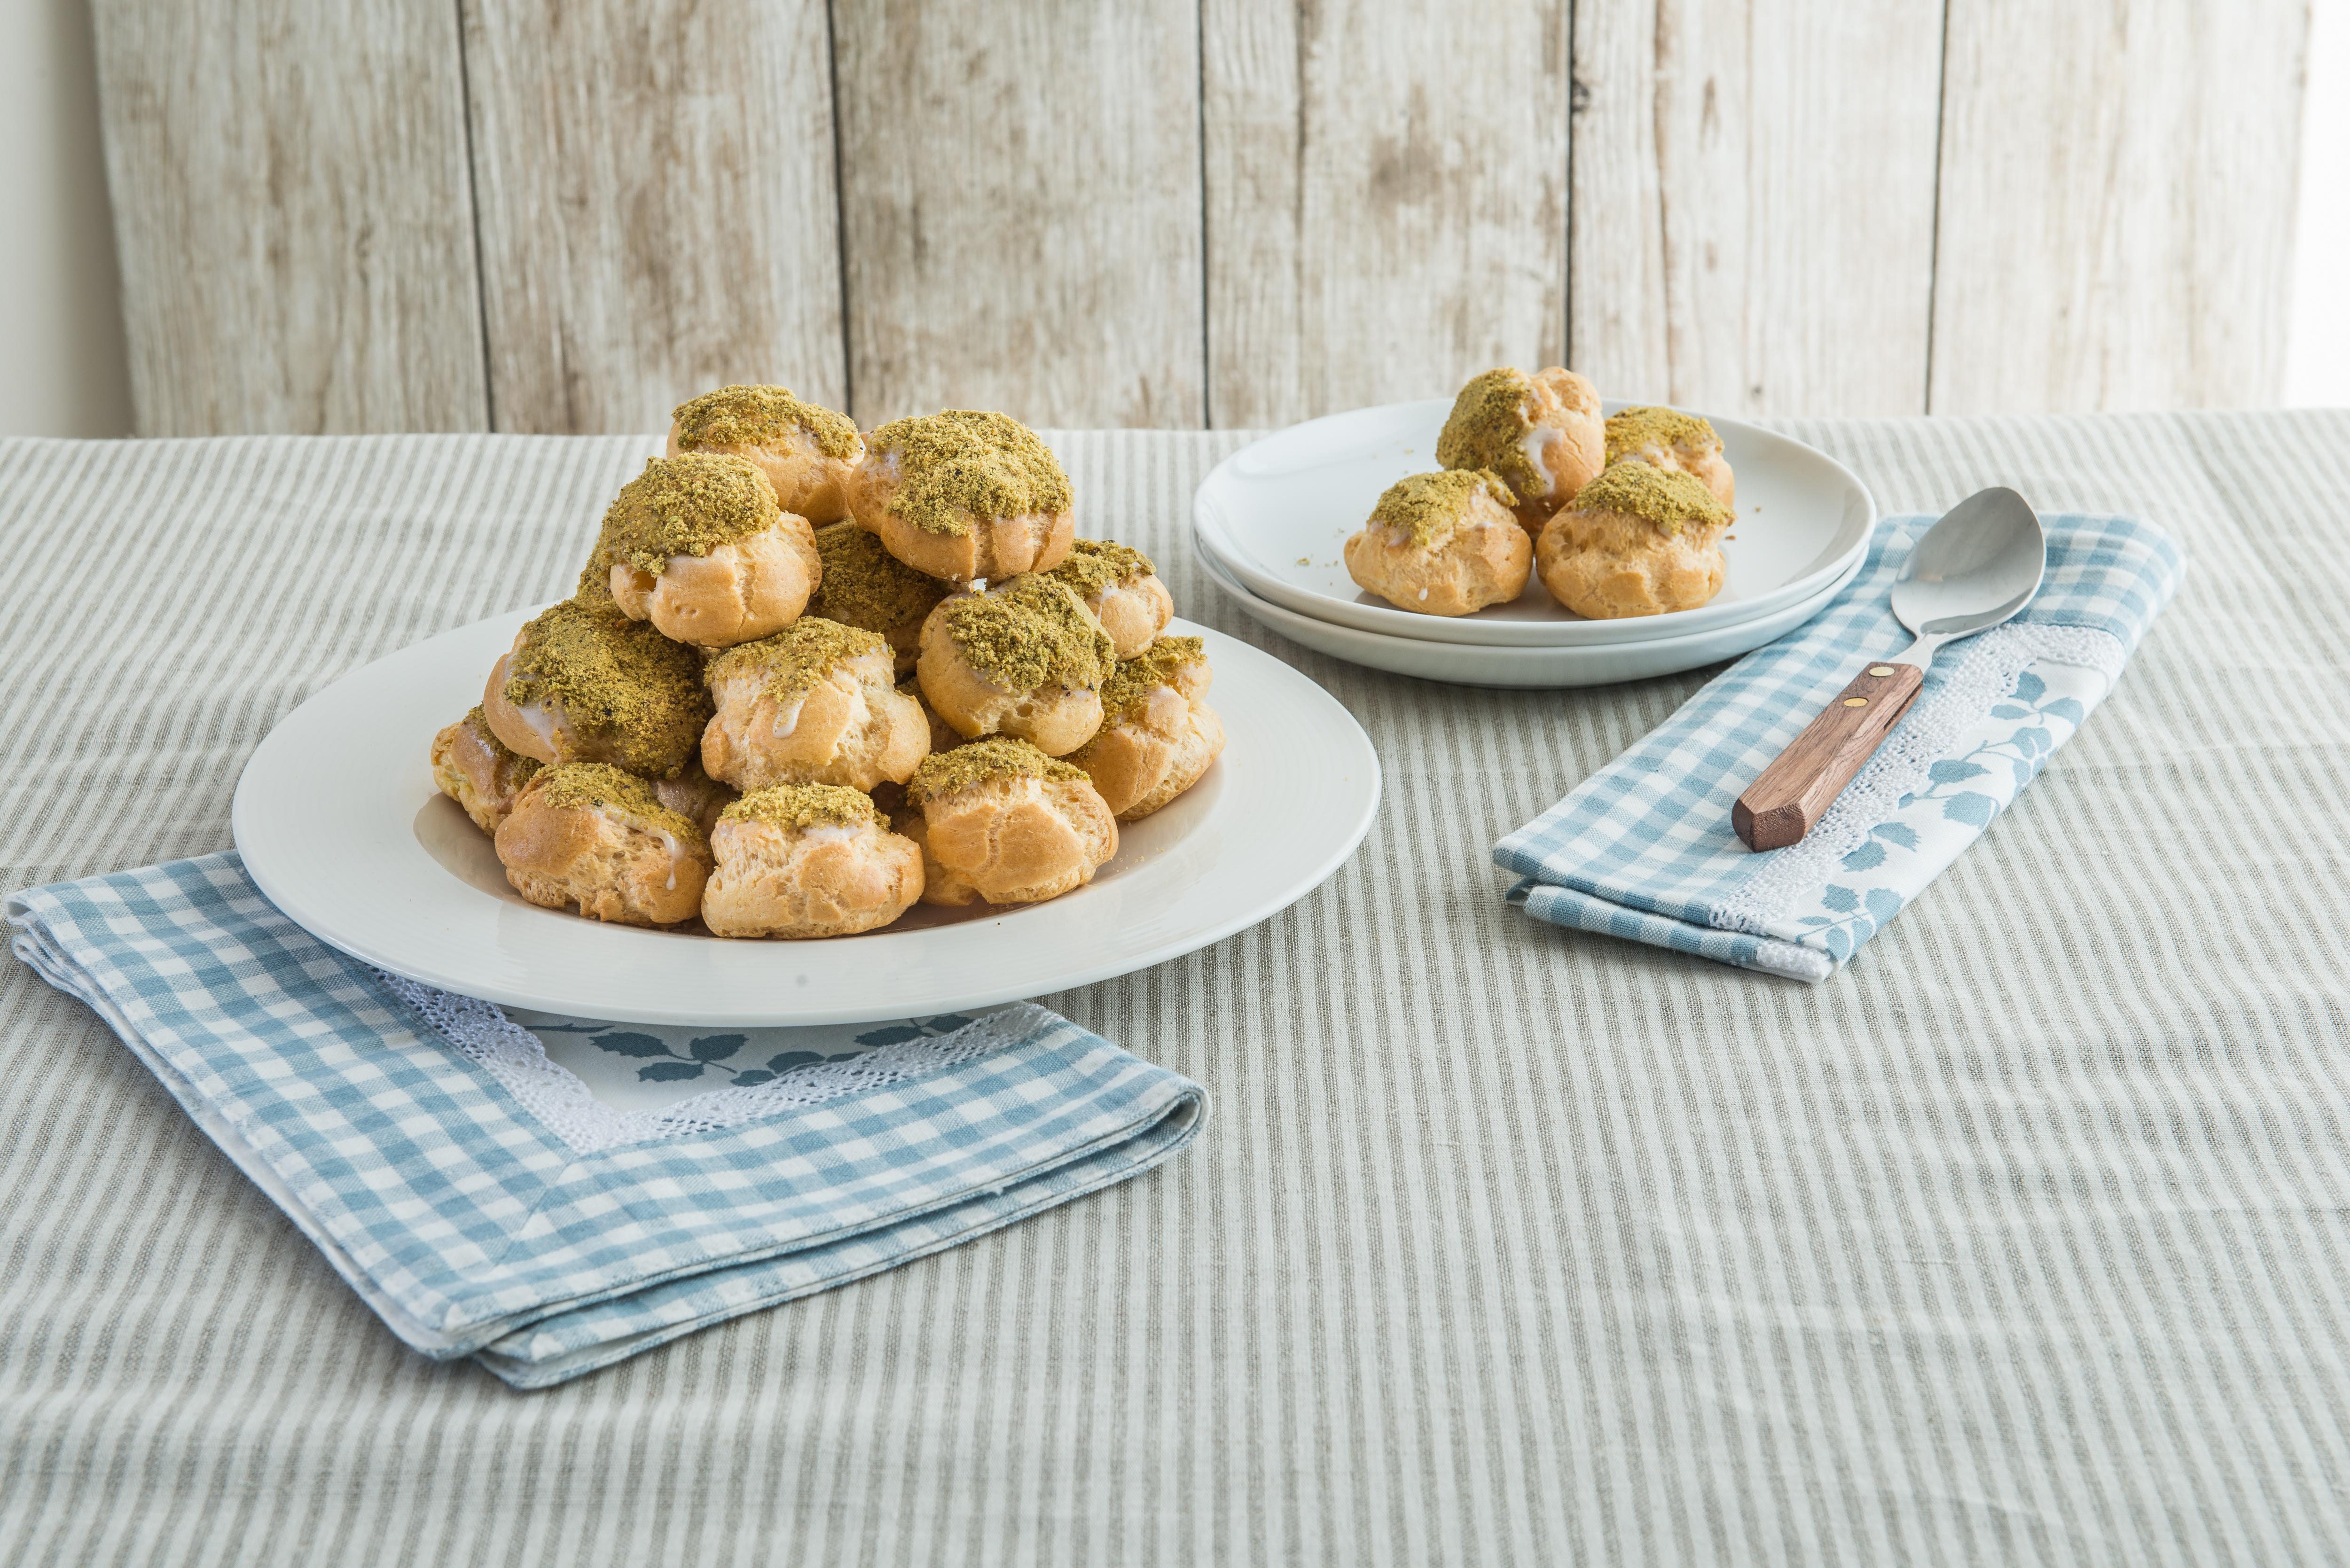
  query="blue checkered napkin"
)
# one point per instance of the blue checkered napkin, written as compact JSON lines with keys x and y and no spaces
{"x":482,"y":1205}
{"x":1644,"y":849}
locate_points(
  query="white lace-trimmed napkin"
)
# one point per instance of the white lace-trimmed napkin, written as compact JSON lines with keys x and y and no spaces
{"x":483,"y":1202}
{"x":1643,"y":849}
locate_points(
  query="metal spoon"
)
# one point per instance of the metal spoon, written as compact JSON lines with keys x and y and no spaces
{"x":1979,"y":564}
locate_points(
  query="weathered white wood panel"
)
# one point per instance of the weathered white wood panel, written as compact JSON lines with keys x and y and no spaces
{"x":1754,"y":202}
{"x":1020,"y":191}
{"x":657,"y":214}
{"x":2116,"y":198}
{"x":293,"y":214}
{"x":1387,"y":199}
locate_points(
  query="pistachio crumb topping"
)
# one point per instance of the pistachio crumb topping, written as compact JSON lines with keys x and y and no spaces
{"x":864,"y":585}
{"x":1128,"y":688}
{"x":501,"y":755}
{"x":802,"y":805}
{"x":1487,"y":429}
{"x":614,"y":678}
{"x":1030,"y":631}
{"x":943,"y":773}
{"x":684,"y":506}
{"x":755,"y":416}
{"x":1430,"y":506}
{"x":1094,"y":566}
{"x":1664,"y":497}
{"x":795,"y":660}
{"x":964,"y":464}
{"x":603,"y":787}
{"x":1630,"y":430}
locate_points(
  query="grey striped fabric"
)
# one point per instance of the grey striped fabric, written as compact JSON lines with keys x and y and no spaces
{"x":2026,"y":1240}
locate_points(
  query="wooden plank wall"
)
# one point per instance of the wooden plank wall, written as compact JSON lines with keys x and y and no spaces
{"x":563,"y":215}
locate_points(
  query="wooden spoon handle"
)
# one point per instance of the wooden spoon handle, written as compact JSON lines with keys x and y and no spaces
{"x":1788,"y":798}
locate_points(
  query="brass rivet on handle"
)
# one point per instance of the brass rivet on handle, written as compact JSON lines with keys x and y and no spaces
{"x":1881,"y":670}
{"x":1856,"y":702}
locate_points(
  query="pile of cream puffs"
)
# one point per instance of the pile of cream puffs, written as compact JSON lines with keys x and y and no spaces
{"x":1620,"y":515}
{"x":812,"y":677}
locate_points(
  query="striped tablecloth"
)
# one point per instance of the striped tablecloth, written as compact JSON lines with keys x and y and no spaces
{"x":2027,"y":1238}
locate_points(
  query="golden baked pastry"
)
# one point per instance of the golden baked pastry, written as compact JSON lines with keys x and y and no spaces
{"x":1442,"y":544}
{"x":583,"y":683}
{"x":478,"y":770}
{"x":1122,"y":588}
{"x":943,"y":737}
{"x":1003,"y":822}
{"x":864,"y":585}
{"x":697,"y":545}
{"x":816,"y":703}
{"x":1542,"y":434}
{"x":1158,"y":733}
{"x":589,"y":835}
{"x":695,"y":794}
{"x":806,"y":452}
{"x":1639,"y":540}
{"x":1025,"y":658}
{"x":1667,"y":438}
{"x":807,"y":861}
{"x":964,"y":495}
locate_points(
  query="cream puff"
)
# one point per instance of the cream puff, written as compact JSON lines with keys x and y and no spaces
{"x":693,"y":794}
{"x":1442,"y":544}
{"x":1025,"y":658}
{"x":697,"y":545}
{"x":1002,"y":821}
{"x":964,"y":495}
{"x":807,"y":861}
{"x":943,"y":734}
{"x":588,"y":835}
{"x":806,"y":452}
{"x":816,"y":703}
{"x":864,"y":585}
{"x":1639,"y":540}
{"x":1542,"y":434}
{"x":1667,"y":438}
{"x":478,"y":770}
{"x":1122,"y":588}
{"x":583,"y":683}
{"x":1158,"y":733}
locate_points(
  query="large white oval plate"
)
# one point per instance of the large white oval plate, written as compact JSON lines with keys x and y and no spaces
{"x":1274,"y":514}
{"x":1469,"y":664}
{"x":339,"y":824}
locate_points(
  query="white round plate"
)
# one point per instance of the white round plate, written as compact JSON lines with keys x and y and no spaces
{"x":1469,"y":664}
{"x":339,"y":822}
{"x":1274,"y":514}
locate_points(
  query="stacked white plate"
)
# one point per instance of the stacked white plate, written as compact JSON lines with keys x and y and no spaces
{"x":1269,"y":522}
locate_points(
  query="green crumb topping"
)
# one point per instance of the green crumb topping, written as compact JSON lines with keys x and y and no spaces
{"x":964,"y":464}
{"x":1664,"y":496}
{"x":502,"y":754}
{"x":1632,"y":429}
{"x":943,"y":773}
{"x":1430,"y":506}
{"x":1129,"y":687}
{"x":755,"y":416}
{"x":602,"y":787}
{"x":803,"y":805}
{"x":865,"y":585}
{"x":684,"y":506}
{"x":799,"y":656}
{"x":1095,"y":566}
{"x":1029,"y":632}
{"x":1487,"y":429}
{"x":616,"y":679}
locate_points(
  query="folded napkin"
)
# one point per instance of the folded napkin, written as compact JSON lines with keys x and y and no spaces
{"x":484,"y":1203}
{"x":1644,"y":849}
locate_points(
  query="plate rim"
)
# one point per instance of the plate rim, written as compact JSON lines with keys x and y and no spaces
{"x":1384,"y":621}
{"x":291,"y":897}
